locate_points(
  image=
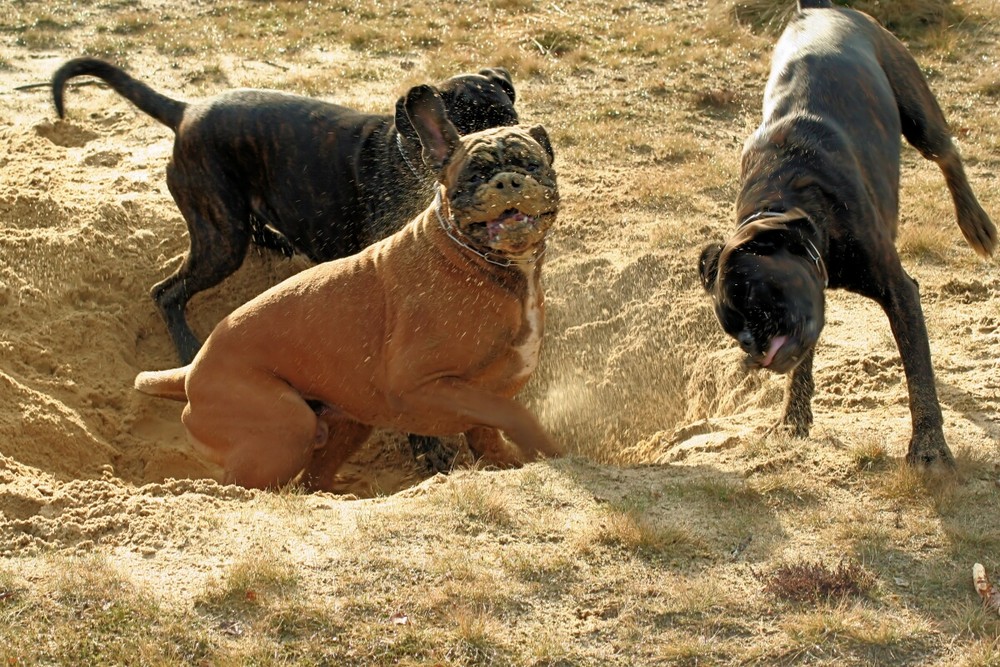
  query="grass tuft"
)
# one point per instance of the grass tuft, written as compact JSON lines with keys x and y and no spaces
{"x":481,"y":503}
{"x":815,"y":581}
{"x":636,"y":532}
{"x":869,"y":455}
{"x":250,"y":582}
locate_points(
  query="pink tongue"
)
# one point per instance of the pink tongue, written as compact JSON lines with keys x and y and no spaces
{"x":772,"y":350}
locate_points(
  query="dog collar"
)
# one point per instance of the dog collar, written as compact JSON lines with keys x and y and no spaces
{"x":811,"y":249}
{"x":406,"y":160}
{"x":492,"y":257}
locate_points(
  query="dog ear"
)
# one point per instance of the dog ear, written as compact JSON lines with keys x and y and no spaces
{"x":539,"y":134}
{"x":708,"y":265}
{"x":438,"y":137}
{"x":501,"y":77}
{"x":791,"y":230}
{"x":402,"y":122}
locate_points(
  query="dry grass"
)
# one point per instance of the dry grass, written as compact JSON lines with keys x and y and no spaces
{"x":905,"y":17}
{"x":815,"y":581}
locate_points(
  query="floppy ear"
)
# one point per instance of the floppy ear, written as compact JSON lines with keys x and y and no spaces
{"x":501,"y":77}
{"x":539,"y":134}
{"x":788,"y":231}
{"x":438,"y":137}
{"x":402,"y":122}
{"x":708,"y":265}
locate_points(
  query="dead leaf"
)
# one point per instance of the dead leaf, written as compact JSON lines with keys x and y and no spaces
{"x":987,"y":591}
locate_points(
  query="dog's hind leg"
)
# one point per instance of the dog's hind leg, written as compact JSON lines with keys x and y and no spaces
{"x":252,"y":423}
{"x":344,"y":437}
{"x":218,"y":228}
{"x":925,"y":127}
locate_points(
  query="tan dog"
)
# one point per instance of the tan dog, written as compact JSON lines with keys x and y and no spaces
{"x":431,"y":331}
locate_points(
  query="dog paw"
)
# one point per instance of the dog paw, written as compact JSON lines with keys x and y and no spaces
{"x":930,"y":452}
{"x":789,"y":428}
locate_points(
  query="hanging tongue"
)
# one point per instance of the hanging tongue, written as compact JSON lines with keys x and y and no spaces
{"x":772,"y":349}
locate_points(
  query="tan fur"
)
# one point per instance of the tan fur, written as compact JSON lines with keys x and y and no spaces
{"x":415,"y":333}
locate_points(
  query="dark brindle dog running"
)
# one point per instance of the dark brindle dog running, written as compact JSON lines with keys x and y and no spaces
{"x":818,"y":208}
{"x":288,"y":172}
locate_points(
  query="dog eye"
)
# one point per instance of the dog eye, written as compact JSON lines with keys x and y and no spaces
{"x":731,"y":321}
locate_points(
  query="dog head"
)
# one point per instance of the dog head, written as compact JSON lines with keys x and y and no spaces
{"x":473,"y":102}
{"x":767,"y":285}
{"x":499,"y":184}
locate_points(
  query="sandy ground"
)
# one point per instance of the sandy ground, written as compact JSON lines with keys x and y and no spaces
{"x":635,"y":369}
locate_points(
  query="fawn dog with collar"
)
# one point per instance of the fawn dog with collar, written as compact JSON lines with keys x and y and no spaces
{"x":432,"y":330}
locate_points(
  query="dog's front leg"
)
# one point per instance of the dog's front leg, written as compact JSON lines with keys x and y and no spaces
{"x":901,"y":303}
{"x":487,"y":443}
{"x":798,"y":417}
{"x":484,"y":409}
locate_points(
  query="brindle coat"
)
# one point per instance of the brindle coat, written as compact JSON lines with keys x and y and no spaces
{"x":819,"y":207}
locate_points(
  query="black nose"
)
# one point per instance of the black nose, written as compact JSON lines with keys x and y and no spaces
{"x":745,"y":339}
{"x":513,"y":181}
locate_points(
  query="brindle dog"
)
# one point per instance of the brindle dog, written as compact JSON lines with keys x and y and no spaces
{"x":819,"y":203}
{"x":288,"y":172}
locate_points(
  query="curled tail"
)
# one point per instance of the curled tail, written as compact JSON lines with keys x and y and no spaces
{"x":165,"y":384}
{"x":164,"y":109}
{"x":814,"y":4}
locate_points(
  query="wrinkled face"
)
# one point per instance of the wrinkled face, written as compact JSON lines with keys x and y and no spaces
{"x":501,"y":189}
{"x":476,"y":102}
{"x":769,"y":299}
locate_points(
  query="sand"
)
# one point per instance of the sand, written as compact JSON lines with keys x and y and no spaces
{"x":635,"y":369}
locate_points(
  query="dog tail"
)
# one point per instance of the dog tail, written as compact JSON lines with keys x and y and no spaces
{"x":162,"y":108}
{"x":814,"y":4}
{"x":165,"y":384}
{"x":977,"y":228}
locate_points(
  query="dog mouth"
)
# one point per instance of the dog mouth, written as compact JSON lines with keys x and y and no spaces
{"x":513,"y":231}
{"x":772,"y":350}
{"x":782,"y":354}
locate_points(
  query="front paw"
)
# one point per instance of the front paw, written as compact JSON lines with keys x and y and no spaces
{"x":790,"y":428}
{"x":436,"y":456}
{"x":796,"y":421}
{"x":492,"y":449}
{"x":929,"y":451}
